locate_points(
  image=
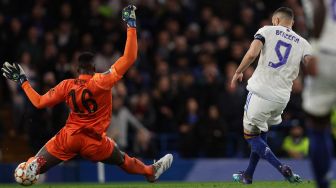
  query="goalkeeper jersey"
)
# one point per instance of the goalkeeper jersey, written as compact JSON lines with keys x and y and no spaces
{"x":89,"y":97}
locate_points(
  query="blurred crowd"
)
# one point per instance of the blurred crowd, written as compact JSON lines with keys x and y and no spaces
{"x":177,"y":95}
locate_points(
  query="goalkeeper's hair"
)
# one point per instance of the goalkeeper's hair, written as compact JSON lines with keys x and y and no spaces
{"x":285,"y":11}
{"x":85,"y":63}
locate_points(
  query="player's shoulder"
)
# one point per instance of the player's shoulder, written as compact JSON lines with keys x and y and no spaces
{"x":302,"y":39}
{"x":267,"y":28}
{"x":99,"y":79}
{"x":96,"y":76}
{"x":101,"y":75}
{"x":298,"y":35}
{"x":305,"y":41}
{"x":63,"y":86}
{"x":67,"y":83}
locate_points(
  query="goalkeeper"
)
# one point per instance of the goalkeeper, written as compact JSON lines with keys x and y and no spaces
{"x":90,"y":101}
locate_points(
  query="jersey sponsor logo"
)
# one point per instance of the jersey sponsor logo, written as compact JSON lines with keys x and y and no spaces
{"x":51,"y":92}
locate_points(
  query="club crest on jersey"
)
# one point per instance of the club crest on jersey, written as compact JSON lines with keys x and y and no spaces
{"x":51,"y":91}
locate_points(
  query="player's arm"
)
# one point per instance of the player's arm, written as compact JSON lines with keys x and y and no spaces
{"x":49,"y":99}
{"x":309,"y":60}
{"x":130,"y":53}
{"x":319,"y":17}
{"x":249,"y":58}
{"x":131,"y":47}
{"x":119,"y":68}
{"x":16,"y":73}
{"x":310,"y":65}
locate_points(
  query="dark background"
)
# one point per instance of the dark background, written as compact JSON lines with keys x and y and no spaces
{"x":178,"y":88}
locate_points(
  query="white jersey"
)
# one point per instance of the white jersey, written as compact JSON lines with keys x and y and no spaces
{"x":279,"y":63}
{"x":319,"y":94}
{"x":327,"y":39}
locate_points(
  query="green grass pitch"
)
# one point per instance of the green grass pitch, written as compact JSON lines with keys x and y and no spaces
{"x":274,"y":184}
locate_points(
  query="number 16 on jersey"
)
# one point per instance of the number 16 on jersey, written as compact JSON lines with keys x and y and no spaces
{"x":87,"y":101}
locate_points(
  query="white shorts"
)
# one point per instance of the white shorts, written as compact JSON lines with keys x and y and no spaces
{"x":319,"y":94}
{"x":260,"y":114}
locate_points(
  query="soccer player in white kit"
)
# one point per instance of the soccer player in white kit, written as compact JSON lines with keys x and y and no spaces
{"x":319,"y":95}
{"x":281,"y":52}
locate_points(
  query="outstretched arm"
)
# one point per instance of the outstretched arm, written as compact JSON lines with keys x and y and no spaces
{"x":130,"y":53}
{"x":249,"y":57}
{"x":131,"y":47}
{"x":52,"y":97}
{"x":16,"y":73}
{"x":119,"y":68}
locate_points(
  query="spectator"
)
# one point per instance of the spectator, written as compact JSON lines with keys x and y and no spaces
{"x":164,"y":45}
{"x":189,"y":119}
{"x":188,"y":51}
{"x":144,"y":110}
{"x":106,"y":58}
{"x":19,"y":103}
{"x":45,"y":123}
{"x":50,"y":53}
{"x":121,"y":119}
{"x":231,"y":104}
{"x":65,"y":38}
{"x":212,"y":130}
{"x":32,"y":44}
{"x":14,"y":38}
{"x":296,"y":144}
{"x":163,"y":102}
{"x":211,"y":85}
{"x":65,"y":13}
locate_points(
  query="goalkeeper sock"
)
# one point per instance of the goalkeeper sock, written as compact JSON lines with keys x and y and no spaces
{"x":135,"y":166}
{"x":41,"y":161}
{"x":254,"y":159}
{"x":320,"y":151}
{"x":259,"y":146}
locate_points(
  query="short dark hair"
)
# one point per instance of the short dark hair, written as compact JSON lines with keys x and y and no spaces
{"x":85,"y":63}
{"x":288,"y":12}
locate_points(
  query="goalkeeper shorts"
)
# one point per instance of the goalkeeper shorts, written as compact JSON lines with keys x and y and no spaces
{"x":65,"y":145}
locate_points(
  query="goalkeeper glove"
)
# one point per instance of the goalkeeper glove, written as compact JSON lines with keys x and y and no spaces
{"x":14,"y":72}
{"x":128,"y":15}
